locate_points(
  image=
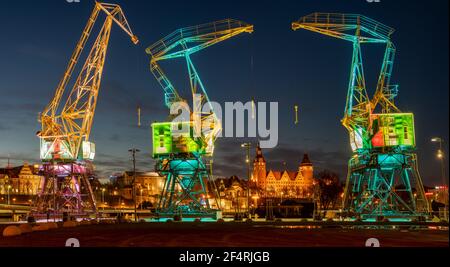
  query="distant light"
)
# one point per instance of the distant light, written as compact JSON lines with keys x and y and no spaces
{"x":436,"y":139}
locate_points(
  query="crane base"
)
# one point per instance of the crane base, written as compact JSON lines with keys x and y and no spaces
{"x":66,"y":192}
{"x":385,"y":185}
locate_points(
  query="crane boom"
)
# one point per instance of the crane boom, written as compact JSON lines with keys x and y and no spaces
{"x":176,"y":45}
{"x":67,"y":130}
{"x":183,"y":43}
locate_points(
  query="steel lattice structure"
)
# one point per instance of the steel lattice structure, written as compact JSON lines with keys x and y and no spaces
{"x":181,"y":157}
{"x":383,"y":177}
{"x":65,"y":148}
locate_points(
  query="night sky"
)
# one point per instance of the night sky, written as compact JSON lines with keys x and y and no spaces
{"x":304,"y":68}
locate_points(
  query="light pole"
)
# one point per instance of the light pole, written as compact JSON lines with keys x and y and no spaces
{"x":441,"y":156}
{"x":142,"y":202}
{"x":247,"y":146}
{"x":9,"y":201}
{"x":103,"y":198}
{"x":133,"y":152}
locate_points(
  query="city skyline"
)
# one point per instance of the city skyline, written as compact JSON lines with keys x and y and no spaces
{"x":270,"y":61}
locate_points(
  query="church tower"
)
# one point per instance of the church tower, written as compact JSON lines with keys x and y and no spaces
{"x":259,"y":168}
{"x":307,"y":171}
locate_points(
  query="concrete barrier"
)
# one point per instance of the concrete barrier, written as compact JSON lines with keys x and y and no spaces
{"x":40,"y":228}
{"x":26,"y":228}
{"x":85,"y":222}
{"x":70,"y":224}
{"x":12,"y":231}
{"x":52,"y":225}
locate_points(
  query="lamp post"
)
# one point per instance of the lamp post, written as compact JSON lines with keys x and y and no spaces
{"x":247,"y":146}
{"x":142,"y":202}
{"x":8,"y":199}
{"x":133,"y":152}
{"x":103,"y":198}
{"x":441,"y":156}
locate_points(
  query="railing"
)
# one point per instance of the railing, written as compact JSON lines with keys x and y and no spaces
{"x":195,"y":31}
{"x":335,"y":19}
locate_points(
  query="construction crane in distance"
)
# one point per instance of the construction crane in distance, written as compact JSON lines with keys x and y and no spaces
{"x":180,"y":158}
{"x":383,"y":179}
{"x":65,"y":147}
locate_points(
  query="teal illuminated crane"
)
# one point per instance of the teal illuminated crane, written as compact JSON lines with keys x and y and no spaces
{"x":383,"y":177}
{"x":180,"y":155}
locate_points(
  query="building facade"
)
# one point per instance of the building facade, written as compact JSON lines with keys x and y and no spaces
{"x":233,"y":194}
{"x":283,"y":184}
{"x":148,"y":186}
{"x":24,"y":180}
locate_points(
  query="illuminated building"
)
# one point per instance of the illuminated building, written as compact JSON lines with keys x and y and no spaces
{"x":438,"y":194}
{"x":285,"y":184}
{"x":233,"y":194}
{"x":148,"y":186}
{"x":23,"y":180}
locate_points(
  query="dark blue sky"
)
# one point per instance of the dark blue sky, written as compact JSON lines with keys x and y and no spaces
{"x":289,"y":67}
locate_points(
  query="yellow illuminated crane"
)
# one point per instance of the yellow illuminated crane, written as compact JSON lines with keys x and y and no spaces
{"x":63,"y":133}
{"x":65,"y":147}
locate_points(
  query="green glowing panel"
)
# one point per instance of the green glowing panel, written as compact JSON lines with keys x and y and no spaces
{"x":393,"y":130}
{"x":174,"y":138}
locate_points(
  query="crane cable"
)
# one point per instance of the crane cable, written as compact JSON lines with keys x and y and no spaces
{"x":252,"y":85}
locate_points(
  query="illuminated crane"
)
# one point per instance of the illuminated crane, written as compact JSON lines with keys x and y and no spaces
{"x":180,"y":153}
{"x":383,"y":177}
{"x":65,"y":147}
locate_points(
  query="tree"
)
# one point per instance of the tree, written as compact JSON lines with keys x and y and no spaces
{"x":330,"y":188}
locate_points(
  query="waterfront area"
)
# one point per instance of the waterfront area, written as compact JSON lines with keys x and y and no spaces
{"x":231,"y":234}
{"x":208,"y":125}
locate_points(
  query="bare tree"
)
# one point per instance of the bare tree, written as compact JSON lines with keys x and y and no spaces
{"x":330,"y":189}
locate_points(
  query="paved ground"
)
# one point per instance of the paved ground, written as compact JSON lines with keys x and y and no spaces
{"x":224,"y":235}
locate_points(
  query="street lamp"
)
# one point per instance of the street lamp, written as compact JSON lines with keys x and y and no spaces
{"x":142,"y":202}
{"x":441,"y":156}
{"x":247,"y":146}
{"x":9,"y":188}
{"x":103,"y":197}
{"x":133,"y":152}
